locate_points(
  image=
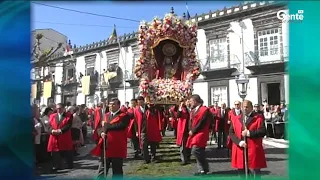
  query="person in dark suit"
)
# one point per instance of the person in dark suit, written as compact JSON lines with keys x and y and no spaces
{"x":223,"y":126}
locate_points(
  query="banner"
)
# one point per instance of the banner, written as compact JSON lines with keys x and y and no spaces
{"x":47,"y":89}
{"x":109,"y":75}
{"x":34,"y":91}
{"x":85,"y":85}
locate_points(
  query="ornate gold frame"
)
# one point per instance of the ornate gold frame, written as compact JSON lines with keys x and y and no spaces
{"x":167,"y":38}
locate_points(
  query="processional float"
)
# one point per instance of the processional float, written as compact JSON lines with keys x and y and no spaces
{"x":167,"y":65}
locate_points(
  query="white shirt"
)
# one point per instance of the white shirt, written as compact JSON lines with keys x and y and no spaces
{"x":142,"y":109}
{"x":38,"y":127}
{"x":237,"y":111}
{"x":113,"y":113}
{"x":196,"y":108}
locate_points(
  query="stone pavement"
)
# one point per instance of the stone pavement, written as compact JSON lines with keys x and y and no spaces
{"x":86,"y":166}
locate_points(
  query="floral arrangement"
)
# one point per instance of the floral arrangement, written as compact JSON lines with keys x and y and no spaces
{"x":150,"y":34}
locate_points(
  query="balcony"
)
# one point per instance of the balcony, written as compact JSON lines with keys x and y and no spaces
{"x":131,"y":79}
{"x":267,"y":60}
{"x":220,"y":67}
{"x":72,"y":81}
{"x":267,"y":56}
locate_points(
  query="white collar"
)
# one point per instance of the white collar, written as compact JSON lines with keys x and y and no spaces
{"x":196,"y":108}
{"x":113,"y":113}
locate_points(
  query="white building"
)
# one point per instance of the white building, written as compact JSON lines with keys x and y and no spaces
{"x":219,"y":49}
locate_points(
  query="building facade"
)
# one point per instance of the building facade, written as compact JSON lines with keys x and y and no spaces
{"x":219,"y":48}
{"x":50,"y":39}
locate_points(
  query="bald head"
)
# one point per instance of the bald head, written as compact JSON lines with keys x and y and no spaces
{"x":247,"y":107}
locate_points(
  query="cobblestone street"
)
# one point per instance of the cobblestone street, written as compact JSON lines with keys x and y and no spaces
{"x":86,"y":166}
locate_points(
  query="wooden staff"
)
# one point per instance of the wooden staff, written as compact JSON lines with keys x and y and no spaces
{"x":245,"y":149}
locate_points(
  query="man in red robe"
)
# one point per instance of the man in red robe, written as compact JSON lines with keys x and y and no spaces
{"x":173,"y":119}
{"x":113,"y":130}
{"x":147,"y":117}
{"x":98,"y":117}
{"x":60,"y":140}
{"x":215,"y":113}
{"x":222,"y":126}
{"x":199,"y":133}
{"x":183,"y":118}
{"x":132,"y":130}
{"x":235,"y":114}
{"x":253,"y":128}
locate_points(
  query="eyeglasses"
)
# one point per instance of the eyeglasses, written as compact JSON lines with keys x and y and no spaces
{"x":236,"y":104}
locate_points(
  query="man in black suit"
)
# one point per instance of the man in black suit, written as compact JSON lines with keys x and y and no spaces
{"x":223,"y":126}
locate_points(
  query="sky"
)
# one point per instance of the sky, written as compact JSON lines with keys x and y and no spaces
{"x":84,"y":29}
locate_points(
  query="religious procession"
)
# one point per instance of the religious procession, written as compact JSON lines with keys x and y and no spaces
{"x":166,"y":117}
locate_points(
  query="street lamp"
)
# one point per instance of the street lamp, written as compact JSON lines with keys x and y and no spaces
{"x":242,"y":84}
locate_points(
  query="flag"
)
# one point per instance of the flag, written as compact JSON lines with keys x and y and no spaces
{"x":188,"y":14}
{"x":47,"y":89}
{"x":68,"y":50}
{"x":85,"y":85}
{"x":113,"y":35}
{"x":34,"y":89}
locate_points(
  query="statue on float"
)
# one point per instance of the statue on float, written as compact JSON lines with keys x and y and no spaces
{"x":167,"y":65}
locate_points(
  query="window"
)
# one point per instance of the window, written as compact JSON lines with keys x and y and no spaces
{"x":89,"y":71}
{"x":221,"y":92}
{"x":69,"y":74}
{"x":218,"y":51}
{"x":268,"y":42}
{"x":90,"y":64}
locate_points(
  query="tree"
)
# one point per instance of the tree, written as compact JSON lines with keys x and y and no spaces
{"x":40,"y":57}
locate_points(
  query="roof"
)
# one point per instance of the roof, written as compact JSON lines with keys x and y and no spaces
{"x":244,"y":7}
{"x":48,"y":29}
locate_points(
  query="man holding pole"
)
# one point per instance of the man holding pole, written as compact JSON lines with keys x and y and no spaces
{"x":247,"y":134}
{"x":113,"y":141}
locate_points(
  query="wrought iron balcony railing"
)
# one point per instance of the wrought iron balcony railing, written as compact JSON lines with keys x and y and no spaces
{"x":267,"y":56}
{"x":221,"y":62}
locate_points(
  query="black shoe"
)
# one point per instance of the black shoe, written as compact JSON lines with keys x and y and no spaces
{"x":184,"y":163}
{"x":137,"y":157}
{"x":201,"y":173}
{"x":147,"y":162}
{"x":54,"y":169}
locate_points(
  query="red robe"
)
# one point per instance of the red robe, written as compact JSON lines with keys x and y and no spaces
{"x":153,"y":132}
{"x":61,"y":142}
{"x":256,"y":155}
{"x":182,"y":125}
{"x":97,"y":120}
{"x":173,"y":117}
{"x":201,"y":138}
{"x":217,"y":117}
{"x":232,"y":116}
{"x":116,"y":139}
{"x":131,"y":123}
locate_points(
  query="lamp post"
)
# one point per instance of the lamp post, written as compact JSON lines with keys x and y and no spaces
{"x":242,"y":84}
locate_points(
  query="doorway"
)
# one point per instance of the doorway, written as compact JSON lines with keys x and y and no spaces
{"x":69,"y":99}
{"x":274,"y":94}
